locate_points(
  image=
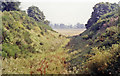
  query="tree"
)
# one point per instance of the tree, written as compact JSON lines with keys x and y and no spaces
{"x":35,"y":12}
{"x":99,"y":10}
{"x":0,"y":5}
{"x":9,"y":5}
{"x":46,"y":22}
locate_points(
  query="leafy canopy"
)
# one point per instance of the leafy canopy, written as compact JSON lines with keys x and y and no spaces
{"x":35,"y":12}
{"x":9,"y":5}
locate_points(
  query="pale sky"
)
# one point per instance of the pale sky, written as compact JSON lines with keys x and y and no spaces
{"x":65,"y":11}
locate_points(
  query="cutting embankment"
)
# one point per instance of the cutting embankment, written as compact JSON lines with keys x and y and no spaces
{"x":31,"y":47}
{"x":97,"y":50}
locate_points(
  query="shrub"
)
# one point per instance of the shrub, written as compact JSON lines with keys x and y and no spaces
{"x":103,"y":59}
{"x":27,"y":37}
{"x":10,"y":50}
{"x":85,"y":37}
{"x":107,"y":43}
{"x":90,"y":41}
{"x":112,"y":30}
{"x":28,"y":40}
{"x":42,"y":33}
{"x":90,"y":34}
{"x":3,"y":54}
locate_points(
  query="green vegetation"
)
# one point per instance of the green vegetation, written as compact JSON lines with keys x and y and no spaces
{"x":22,"y":31}
{"x":101,"y":42}
{"x":30,"y":46}
{"x":49,"y":62}
{"x":9,"y":5}
{"x":101,"y":9}
{"x":34,"y":12}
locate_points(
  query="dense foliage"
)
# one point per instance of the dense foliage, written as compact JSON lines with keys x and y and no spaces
{"x":9,"y":5}
{"x":18,"y":30}
{"x":101,"y":42}
{"x":35,"y":12}
{"x":30,"y":46}
{"x":99,"y":10}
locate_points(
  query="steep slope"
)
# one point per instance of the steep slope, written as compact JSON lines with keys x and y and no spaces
{"x":29,"y":46}
{"x":99,"y":10}
{"x":24,"y":33}
{"x":96,"y":51}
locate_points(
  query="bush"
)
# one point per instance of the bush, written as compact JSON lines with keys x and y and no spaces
{"x":10,"y":50}
{"x":42,"y":33}
{"x":28,"y":40}
{"x":27,"y":37}
{"x":90,"y":34}
{"x":3,"y":54}
{"x":90,"y":41}
{"x":103,"y":60}
{"x":85,"y":37}
{"x":112,"y":30}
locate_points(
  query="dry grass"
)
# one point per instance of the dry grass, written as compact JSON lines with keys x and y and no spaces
{"x":70,"y":32}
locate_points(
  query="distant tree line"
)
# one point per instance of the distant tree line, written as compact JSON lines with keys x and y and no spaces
{"x":63,"y":26}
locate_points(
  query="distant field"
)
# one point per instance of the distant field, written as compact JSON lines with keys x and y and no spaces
{"x":70,"y":32}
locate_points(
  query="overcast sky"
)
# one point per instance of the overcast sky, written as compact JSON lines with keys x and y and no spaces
{"x":65,"y":11}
